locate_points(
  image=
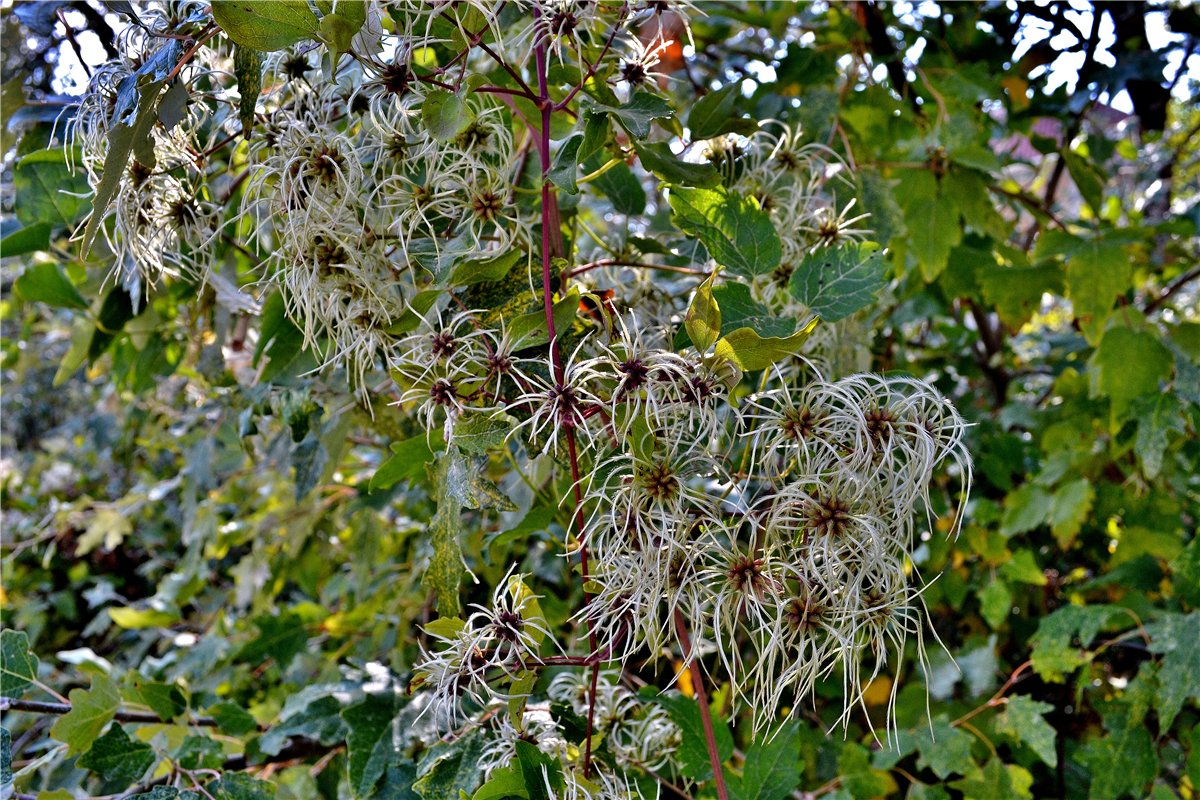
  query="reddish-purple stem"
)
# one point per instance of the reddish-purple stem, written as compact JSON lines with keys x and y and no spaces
{"x":710,"y":737}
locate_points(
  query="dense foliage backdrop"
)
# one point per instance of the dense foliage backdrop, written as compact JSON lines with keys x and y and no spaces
{"x":232,"y":538}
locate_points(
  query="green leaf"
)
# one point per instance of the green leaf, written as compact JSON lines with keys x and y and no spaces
{"x":1055,"y":653}
{"x":18,"y":666}
{"x":946,"y":751}
{"x":29,"y":239}
{"x":200,"y":752}
{"x":339,"y":29}
{"x":133,"y":618}
{"x":1016,"y":292}
{"x":278,"y":339}
{"x":1024,"y":721}
{"x":1098,"y":272}
{"x":504,"y":782}
{"x":693,"y":750}
{"x":1087,"y":179}
{"x":1025,"y":508}
{"x":369,"y":741}
{"x":319,"y":721}
{"x":407,"y":462}
{"x":247,"y":70}
{"x":995,"y":603}
{"x":279,"y":637}
{"x":857,"y":774}
{"x":530,"y":330}
{"x":483,"y":270}
{"x":445,"y":114}
{"x":595,"y":134}
{"x":1069,"y":509}
{"x":240,"y":786}
{"x":164,"y":699}
{"x":566,"y":163}
{"x":933,"y":231}
{"x":657,"y":158}
{"x":118,"y":760}
{"x":620,"y":186}
{"x":133,"y":119}
{"x":772,"y":768}
{"x":449,"y":769}
{"x":232,"y":718}
{"x":737,"y":233}
{"x":639,"y":113}
{"x":716,"y":113}
{"x":750,"y":351}
{"x":47,"y":190}
{"x":266,"y":24}
{"x":837,"y":281}
{"x":703,"y":319}
{"x":1127,"y":365}
{"x":1022,"y":568}
{"x":542,"y":774}
{"x":47,"y":283}
{"x":91,"y":710}
{"x":446,"y":566}
{"x":479,"y":433}
{"x":1176,"y":637}
{"x":996,"y":781}
{"x":1123,"y":762}
{"x":740,"y":310}
{"x":1158,"y":416}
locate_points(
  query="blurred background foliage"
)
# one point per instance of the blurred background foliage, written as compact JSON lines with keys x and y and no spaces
{"x":210,"y":554}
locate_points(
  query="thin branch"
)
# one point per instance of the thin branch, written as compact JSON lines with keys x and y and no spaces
{"x":710,"y":738}
{"x":619,"y":262}
{"x":1172,"y":289}
{"x":38,"y":707}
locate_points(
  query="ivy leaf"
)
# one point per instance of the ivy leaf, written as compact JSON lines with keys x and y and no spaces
{"x":639,"y":113}
{"x":247,"y":70}
{"x":445,"y":114}
{"x":946,"y":751}
{"x":280,"y":637}
{"x":657,"y":158}
{"x":716,"y":113}
{"x":693,"y":751}
{"x":91,"y":710}
{"x":118,"y":760}
{"x":18,"y":666}
{"x":369,"y":741}
{"x":837,"y":281}
{"x":750,"y":351}
{"x":266,"y":24}
{"x":737,"y":233}
{"x":479,"y":433}
{"x":858,"y":776}
{"x":200,"y":752}
{"x":995,"y":603}
{"x":1123,"y":762}
{"x":451,"y":769}
{"x":1023,"y":719}
{"x":1054,"y":654}
{"x":703,"y":319}
{"x":1177,"y":638}
{"x":995,"y":781}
